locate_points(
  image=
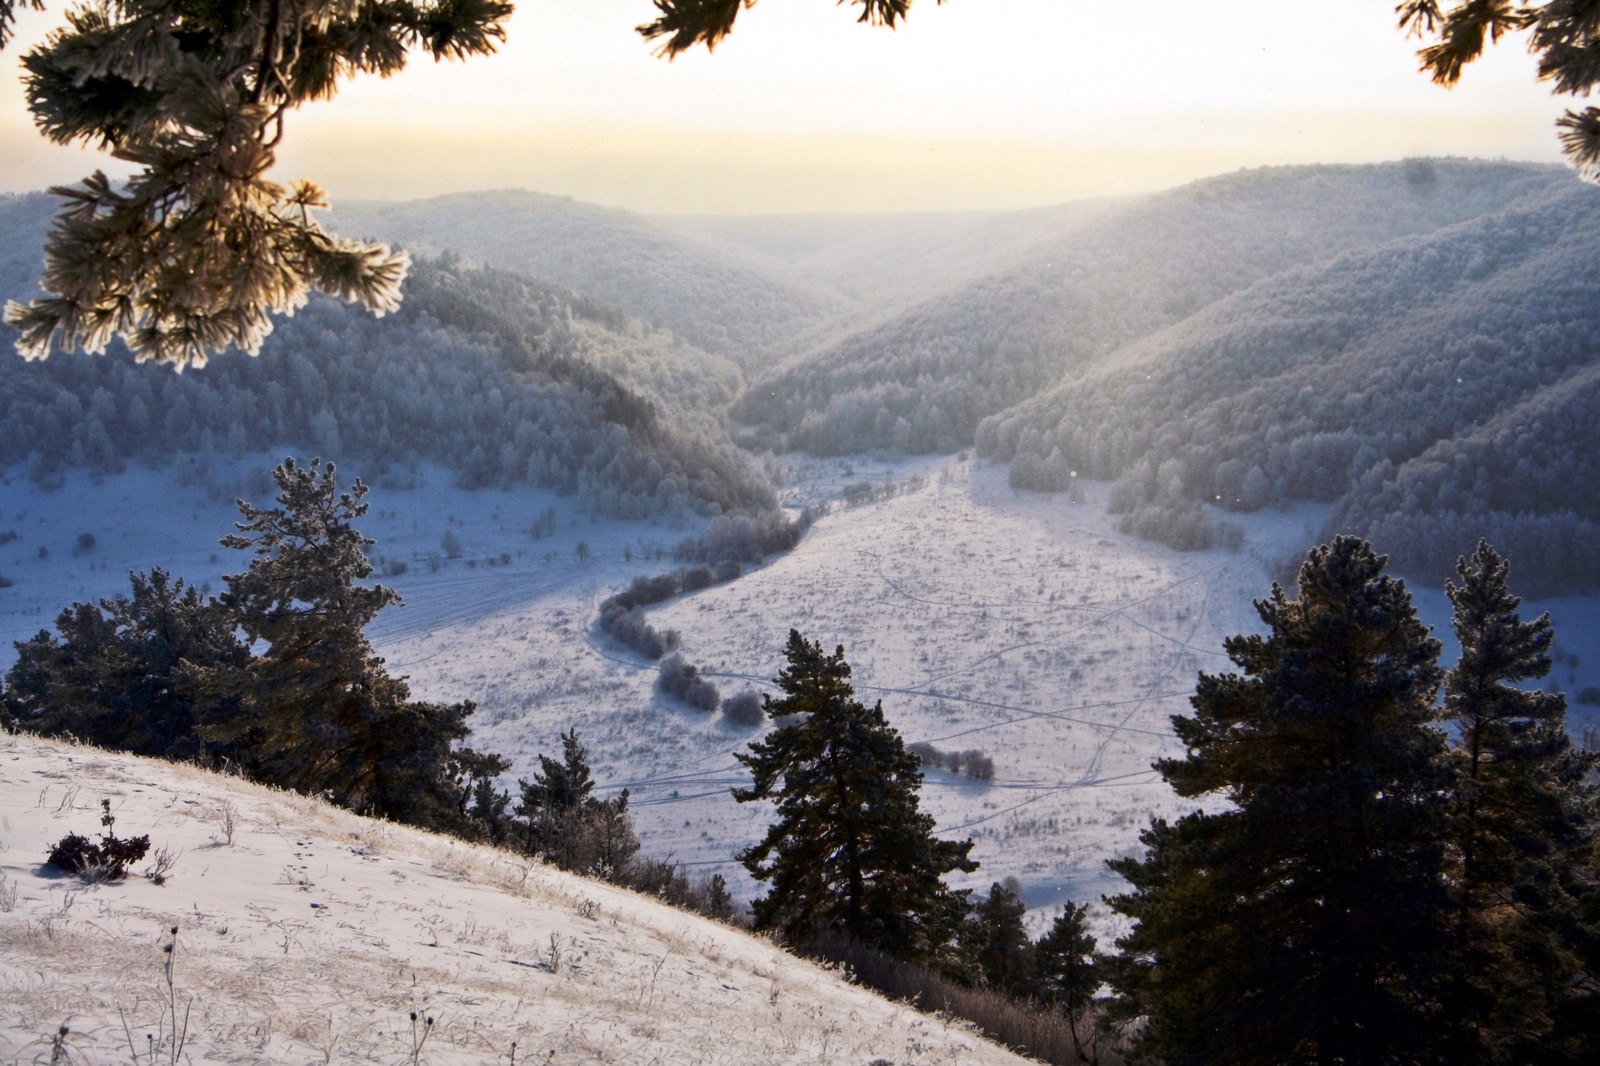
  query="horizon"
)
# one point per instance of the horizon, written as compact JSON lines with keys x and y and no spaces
{"x":1005,"y":105}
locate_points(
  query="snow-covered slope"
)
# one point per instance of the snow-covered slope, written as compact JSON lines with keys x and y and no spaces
{"x":310,"y":935}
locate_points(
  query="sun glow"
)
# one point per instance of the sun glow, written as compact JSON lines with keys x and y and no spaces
{"x":978,"y":103}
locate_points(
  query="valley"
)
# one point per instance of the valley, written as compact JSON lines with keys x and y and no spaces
{"x":1060,"y":453}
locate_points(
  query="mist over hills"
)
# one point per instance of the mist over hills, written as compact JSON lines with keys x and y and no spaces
{"x":882,"y":263}
{"x":717,"y":299}
{"x":923,"y":381}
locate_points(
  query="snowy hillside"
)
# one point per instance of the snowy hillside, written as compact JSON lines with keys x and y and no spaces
{"x":1439,"y":388}
{"x":305,"y":934}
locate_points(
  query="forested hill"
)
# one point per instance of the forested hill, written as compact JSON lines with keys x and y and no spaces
{"x":500,"y":378}
{"x":715,"y":298}
{"x":1436,"y":388}
{"x":924,"y":380}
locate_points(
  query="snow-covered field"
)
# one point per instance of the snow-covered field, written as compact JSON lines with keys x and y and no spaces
{"x":1018,"y":624}
{"x":305,"y":934}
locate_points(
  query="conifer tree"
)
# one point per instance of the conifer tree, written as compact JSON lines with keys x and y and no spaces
{"x":321,"y":714}
{"x":197,"y":249}
{"x":1523,"y":835}
{"x":1304,"y":922}
{"x":997,"y":944}
{"x":850,"y":856}
{"x":1065,"y":973}
{"x":479,"y":804}
{"x":564,"y":822}
{"x":124,"y":673}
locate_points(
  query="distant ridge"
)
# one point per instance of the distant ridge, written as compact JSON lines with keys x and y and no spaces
{"x":717,"y":299}
{"x":923,"y":381}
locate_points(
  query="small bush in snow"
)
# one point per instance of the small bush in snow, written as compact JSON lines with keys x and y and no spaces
{"x":744,"y":708}
{"x":680,"y":679}
{"x":106,"y":861}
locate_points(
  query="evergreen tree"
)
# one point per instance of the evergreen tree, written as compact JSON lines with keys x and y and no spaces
{"x":1563,"y":34}
{"x":478,"y":803}
{"x":195,"y":250}
{"x":123,"y":673}
{"x":1302,"y":924}
{"x":562,"y":821}
{"x":321,"y":714}
{"x":850,"y":856}
{"x":996,"y":944}
{"x":1065,"y":974}
{"x":1524,"y":831}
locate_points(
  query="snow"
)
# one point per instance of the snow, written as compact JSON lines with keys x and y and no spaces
{"x":1020,"y":624}
{"x":313,"y":934}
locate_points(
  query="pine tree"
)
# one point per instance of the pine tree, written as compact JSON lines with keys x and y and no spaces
{"x":565,"y":823}
{"x":1524,"y":830}
{"x":850,"y":856}
{"x":479,"y":804}
{"x":997,"y":945}
{"x":197,"y":249}
{"x":1065,"y":973}
{"x":1302,"y":924}
{"x":123,"y":673}
{"x":321,"y":714}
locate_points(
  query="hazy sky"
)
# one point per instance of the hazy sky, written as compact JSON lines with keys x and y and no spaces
{"x":976,"y":104}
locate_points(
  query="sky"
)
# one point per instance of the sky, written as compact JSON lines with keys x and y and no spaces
{"x":975,"y":104}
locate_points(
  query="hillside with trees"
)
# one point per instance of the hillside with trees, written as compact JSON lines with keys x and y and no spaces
{"x":503,"y":380}
{"x":1435,"y":389}
{"x":923,"y":381}
{"x":717,"y":299}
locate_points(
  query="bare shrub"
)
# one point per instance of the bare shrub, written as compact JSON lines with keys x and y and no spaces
{"x":744,"y":708}
{"x":681,"y":680}
{"x":161,"y":865}
{"x":228,"y":822}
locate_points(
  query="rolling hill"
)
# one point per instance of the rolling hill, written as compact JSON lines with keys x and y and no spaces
{"x":503,"y":379}
{"x":303,"y":933}
{"x":717,"y":299}
{"x":1435,"y":388}
{"x":922,"y":381}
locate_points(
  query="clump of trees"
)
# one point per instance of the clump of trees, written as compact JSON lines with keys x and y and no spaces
{"x":1377,"y":890}
{"x":973,"y":763}
{"x":165,"y":671}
